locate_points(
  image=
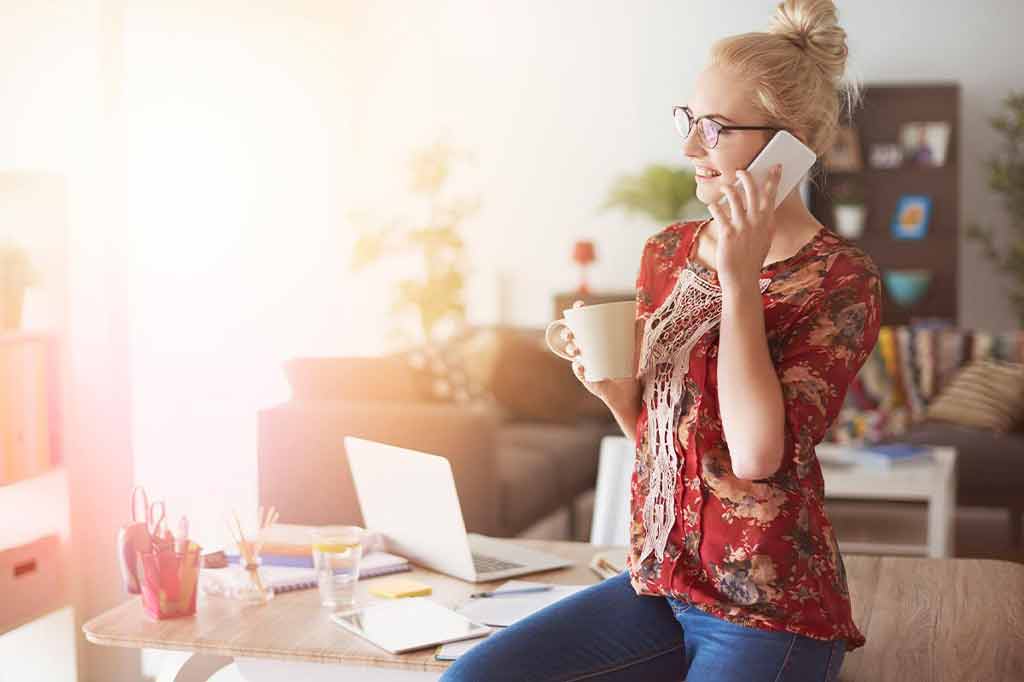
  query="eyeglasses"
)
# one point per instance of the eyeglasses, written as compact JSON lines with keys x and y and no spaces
{"x":708,"y":129}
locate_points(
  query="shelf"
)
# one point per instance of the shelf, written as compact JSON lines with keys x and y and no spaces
{"x":879,"y":527}
{"x":40,"y":505}
{"x":886,"y":107}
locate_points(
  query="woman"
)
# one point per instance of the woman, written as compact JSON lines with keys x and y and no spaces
{"x":751,"y":326}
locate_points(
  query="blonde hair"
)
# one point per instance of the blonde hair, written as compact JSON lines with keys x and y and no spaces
{"x":797,"y":69}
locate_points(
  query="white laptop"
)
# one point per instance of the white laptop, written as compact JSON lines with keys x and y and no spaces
{"x":410,"y":497}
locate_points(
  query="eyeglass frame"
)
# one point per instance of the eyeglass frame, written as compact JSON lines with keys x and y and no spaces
{"x":721,"y":126}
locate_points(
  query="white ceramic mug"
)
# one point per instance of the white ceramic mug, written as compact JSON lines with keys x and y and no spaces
{"x":604,"y":333}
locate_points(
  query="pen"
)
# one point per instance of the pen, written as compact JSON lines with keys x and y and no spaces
{"x":522,"y":590}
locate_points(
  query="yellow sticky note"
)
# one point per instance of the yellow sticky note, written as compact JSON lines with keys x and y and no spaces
{"x":392,"y":588}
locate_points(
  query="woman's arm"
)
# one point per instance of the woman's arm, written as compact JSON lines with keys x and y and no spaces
{"x":749,"y":393}
{"x":626,"y":415}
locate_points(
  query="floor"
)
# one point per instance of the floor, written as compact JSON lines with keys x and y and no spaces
{"x":980,"y":533}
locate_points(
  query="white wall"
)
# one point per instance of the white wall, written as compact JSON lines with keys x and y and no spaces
{"x":559,"y":98}
{"x":251,"y":131}
{"x":55,"y":60}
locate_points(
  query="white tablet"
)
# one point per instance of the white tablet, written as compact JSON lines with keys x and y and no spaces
{"x":408,"y":624}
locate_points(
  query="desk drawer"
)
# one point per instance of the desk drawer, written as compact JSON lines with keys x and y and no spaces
{"x":30,"y":582}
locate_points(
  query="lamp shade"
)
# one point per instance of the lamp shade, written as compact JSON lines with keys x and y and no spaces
{"x":583,"y":252}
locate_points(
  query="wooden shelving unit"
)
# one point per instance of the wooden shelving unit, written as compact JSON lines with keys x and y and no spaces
{"x":885,"y":108}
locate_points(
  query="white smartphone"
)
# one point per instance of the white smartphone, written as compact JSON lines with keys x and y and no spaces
{"x":796,"y":159}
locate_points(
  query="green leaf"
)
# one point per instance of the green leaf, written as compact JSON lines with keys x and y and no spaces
{"x":659,"y":191}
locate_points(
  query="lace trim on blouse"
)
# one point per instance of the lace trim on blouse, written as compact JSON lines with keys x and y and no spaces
{"x":693,"y":308}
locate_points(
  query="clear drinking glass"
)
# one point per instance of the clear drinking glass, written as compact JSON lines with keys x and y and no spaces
{"x":337,"y":551}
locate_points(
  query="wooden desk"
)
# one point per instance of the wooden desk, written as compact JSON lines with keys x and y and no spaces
{"x":924,"y":619}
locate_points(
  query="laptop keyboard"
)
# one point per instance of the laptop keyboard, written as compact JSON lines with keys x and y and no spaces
{"x":485,"y":564}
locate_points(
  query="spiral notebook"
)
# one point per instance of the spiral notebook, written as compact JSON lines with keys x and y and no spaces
{"x":288,"y":578}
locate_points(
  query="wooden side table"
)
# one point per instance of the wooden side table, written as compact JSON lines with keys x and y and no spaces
{"x":878,"y":530}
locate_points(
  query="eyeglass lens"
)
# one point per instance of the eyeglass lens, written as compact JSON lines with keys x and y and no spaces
{"x":707,"y":129}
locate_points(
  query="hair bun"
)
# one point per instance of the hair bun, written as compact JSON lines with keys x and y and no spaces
{"x":812,"y":26}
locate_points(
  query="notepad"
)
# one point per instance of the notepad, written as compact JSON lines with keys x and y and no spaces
{"x":396,"y":588}
{"x":288,"y":577}
{"x":503,"y":611}
{"x":372,"y":564}
{"x":452,"y":650}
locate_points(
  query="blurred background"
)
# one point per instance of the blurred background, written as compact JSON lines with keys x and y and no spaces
{"x":194,"y":193}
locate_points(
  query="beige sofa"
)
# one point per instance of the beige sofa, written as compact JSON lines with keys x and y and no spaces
{"x":517,"y":459}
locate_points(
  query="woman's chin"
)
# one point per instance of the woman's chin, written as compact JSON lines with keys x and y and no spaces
{"x":707,"y":195}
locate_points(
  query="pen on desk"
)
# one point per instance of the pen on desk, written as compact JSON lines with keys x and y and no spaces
{"x":522,"y":590}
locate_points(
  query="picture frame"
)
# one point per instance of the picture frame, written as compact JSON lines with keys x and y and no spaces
{"x":925,"y":143}
{"x":910,"y":220}
{"x":844,"y":155}
{"x":887,"y":155}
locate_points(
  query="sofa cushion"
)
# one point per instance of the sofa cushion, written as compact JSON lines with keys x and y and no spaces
{"x":572,"y":451}
{"x":458,"y":370}
{"x":987,"y":462}
{"x":351,"y":378}
{"x":534,"y":384}
{"x":985,"y":394}
{"x":529,"y":488}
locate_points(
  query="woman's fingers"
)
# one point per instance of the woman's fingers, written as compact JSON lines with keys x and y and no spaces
{"x":571,"y":349}
{"x":724,"y":224}
{"x":750,"y":193}
{"x":736,"y":207}
{"x":771,"y":188}
{"x":577,"y":369}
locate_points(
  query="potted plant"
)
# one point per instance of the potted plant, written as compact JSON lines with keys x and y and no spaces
{"x":849,"y":208}
{"x":16,"y":275}
{"x":428,"y":307}
{"x":1006,"y":178}
{"x":659,"y":191}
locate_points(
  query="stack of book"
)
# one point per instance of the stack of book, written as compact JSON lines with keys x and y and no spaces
{"x":291,"y":546}
{"x":885,"y":456}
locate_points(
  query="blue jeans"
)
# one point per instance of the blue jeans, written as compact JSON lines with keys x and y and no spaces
{"x":606,"y":632}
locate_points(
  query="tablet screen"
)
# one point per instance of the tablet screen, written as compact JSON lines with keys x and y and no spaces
{"x":409,"y":623}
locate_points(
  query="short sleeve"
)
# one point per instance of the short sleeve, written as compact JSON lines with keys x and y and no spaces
{"x":825,"y":347}
{"x":645,"y":282}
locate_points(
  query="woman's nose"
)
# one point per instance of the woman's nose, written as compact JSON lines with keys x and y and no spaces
{"x":692,"y":146}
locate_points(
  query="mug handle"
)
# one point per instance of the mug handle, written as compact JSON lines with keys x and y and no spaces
{"x":547,"y":337}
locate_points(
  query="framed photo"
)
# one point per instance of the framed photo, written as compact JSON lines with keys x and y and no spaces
{"x":844,"y":156}
{"x":925,"y":143}
{"x":911,"y":218}
{"x":886,"y":156}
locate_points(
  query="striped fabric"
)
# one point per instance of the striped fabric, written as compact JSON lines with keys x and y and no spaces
{"x":987,"y":394}
{"x":908,"y":371}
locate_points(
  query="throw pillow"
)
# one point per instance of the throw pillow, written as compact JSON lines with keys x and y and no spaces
{"x":457,"y":371}
{"x":383,"y":378}
{"x":534,"y":384}
{"x":987,"y":394}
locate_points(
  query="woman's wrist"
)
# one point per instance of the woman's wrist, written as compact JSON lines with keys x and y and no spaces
{"x":624,"y":403}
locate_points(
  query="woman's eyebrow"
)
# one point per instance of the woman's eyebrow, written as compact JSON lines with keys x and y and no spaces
{"x":721,"y":116}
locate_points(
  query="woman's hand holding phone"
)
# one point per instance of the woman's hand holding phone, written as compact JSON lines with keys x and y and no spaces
{"x":745,"y":230}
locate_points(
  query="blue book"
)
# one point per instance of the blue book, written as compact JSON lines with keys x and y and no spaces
{"x":373,"y":564}
{"x":892,"y":454}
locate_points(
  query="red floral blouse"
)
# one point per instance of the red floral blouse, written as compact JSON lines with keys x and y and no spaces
{"x":759,"y":553}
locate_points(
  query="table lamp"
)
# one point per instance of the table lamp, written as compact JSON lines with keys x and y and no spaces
{"x":583,"y":254}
